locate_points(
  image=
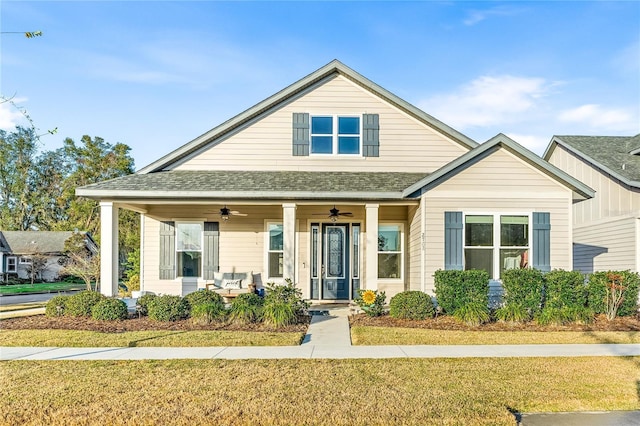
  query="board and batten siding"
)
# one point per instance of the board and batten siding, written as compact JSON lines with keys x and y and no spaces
{"x":612,"y":198}
{"x":500,"y":183}
{"x":611,"y":244}
{"x":406,"y":145}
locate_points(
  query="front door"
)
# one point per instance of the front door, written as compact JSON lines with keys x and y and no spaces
{"x":335,"y":261}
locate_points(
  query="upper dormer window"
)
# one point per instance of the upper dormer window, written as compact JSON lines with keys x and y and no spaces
{"x":335,"y":135}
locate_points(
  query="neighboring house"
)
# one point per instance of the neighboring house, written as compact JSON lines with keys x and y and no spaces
{"x":19,"y":248}
{"x":420,"y":196}
{"x":606,"y":231}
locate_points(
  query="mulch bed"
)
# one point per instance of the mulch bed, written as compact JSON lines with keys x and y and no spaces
{"x":450,"y":323}
{"x":42,"y":322}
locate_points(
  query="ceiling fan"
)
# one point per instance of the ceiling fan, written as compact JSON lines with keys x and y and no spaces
{"x":226,"y":213}
{"x":334,"y":214}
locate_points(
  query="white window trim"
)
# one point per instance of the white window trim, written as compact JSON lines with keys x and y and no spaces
{"x":496,"y":238}
{"x":182,"y":222}
{"x":267,"y":249}
{"x":402,"y":252}
{"x":15,"y":265}
{"x":25,"y":260}
{"x":334,"y":136}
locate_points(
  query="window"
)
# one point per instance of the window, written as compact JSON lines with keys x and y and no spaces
{"x":25,"y":260}
{"x":390,"y":251}
{"x":189,"y":249}
{"x":12,"y":264}
{"x":496,"y":248}
{"x":335,"y":135}
{"x":275,"y":250}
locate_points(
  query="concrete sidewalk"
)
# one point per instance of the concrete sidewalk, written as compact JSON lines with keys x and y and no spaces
{"x":310,"y":351}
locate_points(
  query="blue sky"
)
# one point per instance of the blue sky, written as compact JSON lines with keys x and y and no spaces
{"x":155,"y":75}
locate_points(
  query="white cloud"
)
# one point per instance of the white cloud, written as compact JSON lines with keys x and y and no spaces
{"x":488,"y":101}
{"x":595,"y":116}
{"x":10,"y":114}
{"x":476,"y":16}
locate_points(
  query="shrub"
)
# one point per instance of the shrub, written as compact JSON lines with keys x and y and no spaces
{"x":371,"y":302}
{"x":455,"y":289}
{"x":144,"y":301}
{"x":411,"y":305}
{"x":207,"y":312}
{"x":513,"y":312}
{"x":565,"y":289}
{"x":204,"y":296}
{"x":168,"y":308}
{"x":472,"y":313}
{"x":580,"y":314}
{"x":287,"y":293}
{"x":246,"y":308}
{"x":597,"y":290}
{"x":80,"y":304}
{"x":551,"y":315}
{"x":56,"y":306}
{"x":110,"y":309}
{"x":279,"y":314}
{"x":523,"y":287}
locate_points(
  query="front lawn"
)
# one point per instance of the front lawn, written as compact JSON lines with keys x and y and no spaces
{"x":367,"y":335}
{"x":312,"y":392}
{"x":155,"y":338}
{"x":40,"y":288}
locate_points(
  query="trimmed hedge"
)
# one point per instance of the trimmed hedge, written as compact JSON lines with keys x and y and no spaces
{"x":80,"y":304}
{"x":411,"y":305}
{"x":168,"y":308}
{"x":565,"y":289}
{"x":455,"y":289}
{"x":523,"y":288}
{"x":204,"y":296}
{"x":56,"y":306}
{"x":144,"y":301}
{"x":597,"y":292}
{"x":110,"y":309}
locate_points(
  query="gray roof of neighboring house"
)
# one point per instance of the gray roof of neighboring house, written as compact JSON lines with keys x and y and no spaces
{"x":254,"y":184}
{"x":319,"y":76}
{"x":614,"y":155}
{"x":29,"y":242}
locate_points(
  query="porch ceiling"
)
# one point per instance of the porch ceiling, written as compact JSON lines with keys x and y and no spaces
{"x":254,"y":185}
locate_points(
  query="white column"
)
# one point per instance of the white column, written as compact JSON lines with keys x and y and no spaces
{"x":289,"y":240}
{"x":109,"y":261}
{"x":371,"y":247}
{"x":142,"y":219}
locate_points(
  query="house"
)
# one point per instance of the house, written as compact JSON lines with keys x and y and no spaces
{"x":606,"y":231}
{"x":339,"y":185}
{"x":18,"y":249}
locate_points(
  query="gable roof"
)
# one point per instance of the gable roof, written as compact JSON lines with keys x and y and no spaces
{"x":617,"y":156}
{"x":51,"y":242}
{"x":223,"y":184}
{"x":317,"y":77}
{"x":580,"y":190}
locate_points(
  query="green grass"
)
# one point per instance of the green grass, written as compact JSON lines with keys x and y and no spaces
{"x":40,"y":288}
{"x":361,"y":335}
{"x":80,"y":338}
{"x":311,"y":392}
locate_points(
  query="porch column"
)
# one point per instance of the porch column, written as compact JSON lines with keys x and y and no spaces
{"x":289,"y":240}
{"x":109,"y":260}
{"x":371,"y":247}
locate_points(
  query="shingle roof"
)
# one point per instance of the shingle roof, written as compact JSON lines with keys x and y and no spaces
{"x":614,"y":154}
{"x":27,"y":242}
{"x":254,"y":184}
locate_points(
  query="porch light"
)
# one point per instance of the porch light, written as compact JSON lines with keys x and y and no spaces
{"x":334,"y":218}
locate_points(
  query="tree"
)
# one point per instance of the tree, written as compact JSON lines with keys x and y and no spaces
{"x":81,"y":262}
{"x":37,"y":265}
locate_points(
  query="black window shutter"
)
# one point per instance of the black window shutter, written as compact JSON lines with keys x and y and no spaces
{"x":167,"y":251}
{"x":541,"y":241}
{"x":371,"y":135}
{"x":301,"y":136}
{"x":211,"y":252}
{"x":453,"y":259}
